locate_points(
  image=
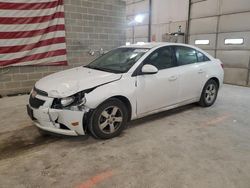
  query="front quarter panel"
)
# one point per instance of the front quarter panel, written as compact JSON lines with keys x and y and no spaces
{"x":124,"y":87}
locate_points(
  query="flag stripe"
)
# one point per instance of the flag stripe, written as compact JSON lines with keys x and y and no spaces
{"x":10,"y":56}
{"x":25,"y":1}
{"x":59,"y":63}
{"x":31,"y":40}
{"x":30,"y":20}
{"x":32,"y":32}
{"x":30,"y":6}
{"x":30,"y":27}
{"x":25,"y":34}
{"x":30,"y":13}
{"x":20,"y":48}
{"x":47,"y":60}
{"x":34,"y":57}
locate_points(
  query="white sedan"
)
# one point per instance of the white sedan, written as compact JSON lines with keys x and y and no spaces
{"x":126,"y":83}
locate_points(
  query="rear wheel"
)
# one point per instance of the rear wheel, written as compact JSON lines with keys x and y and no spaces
{"x":109,"y":119}
{"x":209,"y":93}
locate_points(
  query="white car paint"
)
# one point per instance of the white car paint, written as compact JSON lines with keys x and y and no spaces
{"x":69,"y":82}
{"x":159,"y":89}
{"x":147,"y":94}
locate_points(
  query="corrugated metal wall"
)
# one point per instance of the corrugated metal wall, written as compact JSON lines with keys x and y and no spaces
{"x":135,"y":7}
{"x":167,"y":16}
{"x":216,"y":21}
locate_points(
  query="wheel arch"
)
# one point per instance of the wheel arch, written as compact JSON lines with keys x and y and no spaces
{"x":212,"y":78}
{"x":87,"y":120}
{"x":126,"y":102}
{"x":216,"y":80}
{"x":202,"y":101}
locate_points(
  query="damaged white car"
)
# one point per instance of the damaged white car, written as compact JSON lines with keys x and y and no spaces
{"x":125,"y":84}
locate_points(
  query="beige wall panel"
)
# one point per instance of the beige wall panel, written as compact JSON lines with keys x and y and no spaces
{"x":244,"y":46}
{"x":235,"y":22}
{"x":136,"y":8}
{"x":211,"y":52}
{"x":232,"y":6}
{"x":141,"y":39}
{"x":141,"y":31}
{"x":204,"y":9}
{"x":165,"y":11}
{"x":210,"y":37}
{"x":203,"y":25}
{"x":236,"y":76}
{"x":159,"y":30}
{"x":234,"y":59}
{"x":174,"y":26}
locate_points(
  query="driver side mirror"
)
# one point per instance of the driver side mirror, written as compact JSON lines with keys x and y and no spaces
{"x":149,"y":69}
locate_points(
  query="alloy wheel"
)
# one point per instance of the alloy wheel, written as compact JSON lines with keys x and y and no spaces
{"x":210,"y":93}
{"x":110,"y":119}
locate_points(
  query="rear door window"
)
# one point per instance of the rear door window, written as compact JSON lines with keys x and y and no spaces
{"x":185,"y":55}
{"x":201,"y":57}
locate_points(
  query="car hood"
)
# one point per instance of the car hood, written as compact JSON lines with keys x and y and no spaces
{"x":69,"y":82}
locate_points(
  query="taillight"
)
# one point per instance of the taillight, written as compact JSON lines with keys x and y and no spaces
{"x":222,"y":65}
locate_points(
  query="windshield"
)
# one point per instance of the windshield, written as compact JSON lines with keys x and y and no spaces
{"x":119,"y":60}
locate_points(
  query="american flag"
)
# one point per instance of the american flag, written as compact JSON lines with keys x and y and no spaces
{"x":32,"y":32}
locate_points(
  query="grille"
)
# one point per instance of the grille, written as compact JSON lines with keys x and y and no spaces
{"x":40,"y":92}
{"x":35,"y":102}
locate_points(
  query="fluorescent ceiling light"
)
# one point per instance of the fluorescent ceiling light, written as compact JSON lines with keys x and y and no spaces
{"x":234,"y":41}
{"x":204,"y":42}
{"x":139,"y":18}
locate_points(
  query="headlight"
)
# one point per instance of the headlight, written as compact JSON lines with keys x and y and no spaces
{"x":78,"y":100}
{"x":67,"y":101}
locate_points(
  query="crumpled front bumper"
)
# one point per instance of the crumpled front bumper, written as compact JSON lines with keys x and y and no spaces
{"x":59,"y":121}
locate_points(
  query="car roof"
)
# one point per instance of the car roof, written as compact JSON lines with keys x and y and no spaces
{"x":145,"y":45}
{"x":153,"y":45}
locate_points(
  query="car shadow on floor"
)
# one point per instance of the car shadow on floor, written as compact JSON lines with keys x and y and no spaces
{"x":23,"y":140}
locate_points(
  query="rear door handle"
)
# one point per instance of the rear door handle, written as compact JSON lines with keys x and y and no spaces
{"x":172,"y":78}
{"x":200,"y":71}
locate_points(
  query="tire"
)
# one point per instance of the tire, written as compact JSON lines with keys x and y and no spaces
{"x":209,"y":93}
{"x":109,"y":119}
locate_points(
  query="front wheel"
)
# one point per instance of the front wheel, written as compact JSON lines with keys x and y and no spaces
{"x":209,"y":93}
{"x":109,"y":119}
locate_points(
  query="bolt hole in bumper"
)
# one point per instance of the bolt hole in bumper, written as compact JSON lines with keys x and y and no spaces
{"x":59,"y":121}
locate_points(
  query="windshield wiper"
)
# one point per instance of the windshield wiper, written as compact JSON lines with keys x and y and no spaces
{"x":103,"y":69}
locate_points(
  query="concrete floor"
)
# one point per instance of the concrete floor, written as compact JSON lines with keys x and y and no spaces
{"x":190,"y":147}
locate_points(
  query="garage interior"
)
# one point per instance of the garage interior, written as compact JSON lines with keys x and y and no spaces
{"x":182,"y":148}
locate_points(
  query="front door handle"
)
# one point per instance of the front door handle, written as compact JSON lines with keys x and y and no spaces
{"x":200,"y":71}
{"x":172,"y":78}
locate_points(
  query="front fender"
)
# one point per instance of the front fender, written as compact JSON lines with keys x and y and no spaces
{"x":124,"y":87}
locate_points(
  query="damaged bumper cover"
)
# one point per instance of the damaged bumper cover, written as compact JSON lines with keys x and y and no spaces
{"x":59,"y":121}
